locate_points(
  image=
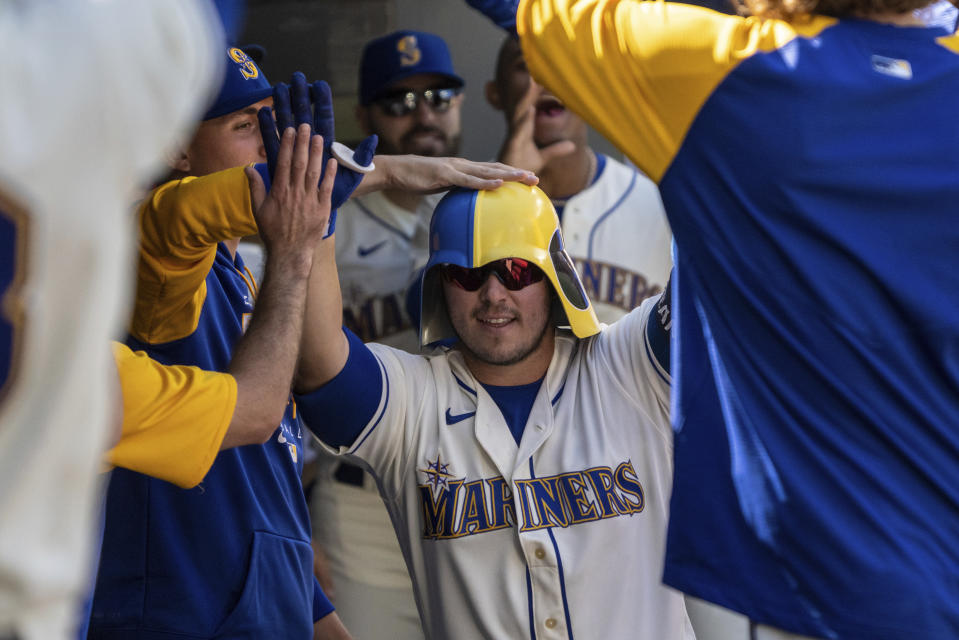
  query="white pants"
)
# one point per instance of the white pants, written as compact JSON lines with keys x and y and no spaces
{"x":712,"y":622}
{"x":762,"y":632}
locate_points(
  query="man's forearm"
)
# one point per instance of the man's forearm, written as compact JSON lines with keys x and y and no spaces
{"x":265,"y":358}
{"x":324,"y":347}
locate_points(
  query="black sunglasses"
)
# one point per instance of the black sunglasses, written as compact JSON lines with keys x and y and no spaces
{"x":404,"y":101}
{"x":514,"y":273}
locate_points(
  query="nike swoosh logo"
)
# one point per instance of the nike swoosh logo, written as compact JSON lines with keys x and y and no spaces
{"x":365,"y":251}
{"x":451,"y":419}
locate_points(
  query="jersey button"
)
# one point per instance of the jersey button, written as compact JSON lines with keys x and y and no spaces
{"x":540,"y":553}
{"x":550,"y":623}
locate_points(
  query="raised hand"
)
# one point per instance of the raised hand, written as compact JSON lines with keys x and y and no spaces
{"x":520,"y":149}
{"x":421,"y":174}
{"x":293,"y":217}
{"x":303,"y":104}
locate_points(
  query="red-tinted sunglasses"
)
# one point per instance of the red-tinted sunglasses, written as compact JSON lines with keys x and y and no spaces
{"x":514,"y":273}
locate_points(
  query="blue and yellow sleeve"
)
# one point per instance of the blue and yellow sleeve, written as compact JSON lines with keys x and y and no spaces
{"x":174,"y":418}
{"x":640,"y":70}
{"x":181,"y":223}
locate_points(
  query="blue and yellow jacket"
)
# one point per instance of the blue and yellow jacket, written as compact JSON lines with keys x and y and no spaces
{"x":230,"y":558}
{"x":809,"y":174}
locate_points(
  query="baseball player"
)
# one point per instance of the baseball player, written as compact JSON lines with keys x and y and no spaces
{"x":410,"y":97}
{"x":806,"y":160}
{"x":233,"y":556}
{"x":64,"y":241}
{"x":611,"y":214}
{"x":525,"y":469}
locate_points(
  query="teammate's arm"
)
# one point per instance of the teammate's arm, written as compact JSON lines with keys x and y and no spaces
{"x":419,"y":174}
{"x":164,"y":406}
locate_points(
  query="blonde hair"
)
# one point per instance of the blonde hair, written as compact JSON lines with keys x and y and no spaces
{"x":797,"y":9}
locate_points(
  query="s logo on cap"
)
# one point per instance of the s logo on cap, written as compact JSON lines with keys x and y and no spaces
{"x":247,"y":67}
{"x":410,"y":53}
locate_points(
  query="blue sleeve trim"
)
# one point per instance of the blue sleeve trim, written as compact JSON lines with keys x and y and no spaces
{"x":322,"y":606}
{"x":658,"y":326}
{"x":386,"y":403}
{"x":338,"y":411}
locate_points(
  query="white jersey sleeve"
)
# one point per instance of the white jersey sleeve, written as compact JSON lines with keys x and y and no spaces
{"x":625,"y":349}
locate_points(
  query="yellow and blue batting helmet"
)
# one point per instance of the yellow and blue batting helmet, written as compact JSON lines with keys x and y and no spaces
{"x":473,"y":228}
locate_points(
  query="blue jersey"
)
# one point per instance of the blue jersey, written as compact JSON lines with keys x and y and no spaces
{"x":810,"y":177}
{"x":231,"y":557}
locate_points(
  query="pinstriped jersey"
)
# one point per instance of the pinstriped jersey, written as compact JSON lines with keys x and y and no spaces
{"x":810,"y":176}
{"x":617,"y":235}
{"x":557,"y":537}
{"x":379,"y":245}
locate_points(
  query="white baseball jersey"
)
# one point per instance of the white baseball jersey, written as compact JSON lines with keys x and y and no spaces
{"x":561,"y":536}
{"x":379,"y":245}
{"x":617,"y":234}
{"x":85,"y":116}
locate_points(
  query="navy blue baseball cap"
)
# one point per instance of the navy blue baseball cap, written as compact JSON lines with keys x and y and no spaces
{"x":244,"y":84}
{"x":400,"y":55}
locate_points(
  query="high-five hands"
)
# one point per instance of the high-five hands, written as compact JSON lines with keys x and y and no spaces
{"x":299,"y":104}
{"x":294,"y":215}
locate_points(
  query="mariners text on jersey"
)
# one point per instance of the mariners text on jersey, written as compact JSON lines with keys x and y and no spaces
{"x":453,"y":508}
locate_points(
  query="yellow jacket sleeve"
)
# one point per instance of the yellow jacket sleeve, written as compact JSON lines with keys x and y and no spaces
{"x":181,"y":223}
{"x":174,"y":418}
{"x":639,"y":70}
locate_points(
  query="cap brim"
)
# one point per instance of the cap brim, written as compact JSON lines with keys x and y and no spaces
{"x":229,"y":106}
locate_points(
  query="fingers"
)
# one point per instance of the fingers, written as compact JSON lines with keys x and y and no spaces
{"x":271,"y":141}
{"x":284,"y":158}
{"x":363,"y":155}
{"x":300,"y":161}
{"x":257,"y":188}
{"x":326,"y":185}
{"x":281,"y":105}
{"x":323,"y":122}
{"x":526,"y":107}
{"x":300,"y":97}
{"x":493,"y":171}
{"x":314,"y":171}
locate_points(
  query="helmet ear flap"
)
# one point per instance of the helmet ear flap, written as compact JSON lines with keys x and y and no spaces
{"x":435,"y":322}
{"x":557,"y":314}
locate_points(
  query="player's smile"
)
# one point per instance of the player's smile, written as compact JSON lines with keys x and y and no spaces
{"x":495,"y":320}
{"x":498,"y":326}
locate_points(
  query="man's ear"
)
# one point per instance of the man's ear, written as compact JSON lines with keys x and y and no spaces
{"x":493,"y":96}
{"x":177,"y":159}
{"x":362,"y":114}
